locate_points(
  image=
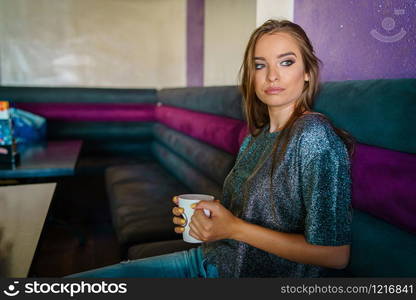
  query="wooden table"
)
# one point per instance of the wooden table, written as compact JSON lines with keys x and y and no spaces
{"x":52,"y":159}
{"x":23,"y":210}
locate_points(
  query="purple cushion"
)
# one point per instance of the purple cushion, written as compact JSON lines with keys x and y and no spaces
{"x":221,"y":132}
{"x":129,"y":112}
{"x":384,"y":184}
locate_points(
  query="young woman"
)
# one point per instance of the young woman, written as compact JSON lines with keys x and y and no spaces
{"x":286,"y":209}
{"x":286,"y":203}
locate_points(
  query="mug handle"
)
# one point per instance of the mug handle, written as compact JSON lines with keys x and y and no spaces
{"x":186,"y":219}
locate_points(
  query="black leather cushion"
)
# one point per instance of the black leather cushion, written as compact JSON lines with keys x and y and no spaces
{"x":198,"y":182}
{"x":210,"y":161}
{"x":141,"y":202}
{"x":158,"y":248}
{"x":146,"y":171}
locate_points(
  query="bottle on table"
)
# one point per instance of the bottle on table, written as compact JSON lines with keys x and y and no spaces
{"x":9,"y":157}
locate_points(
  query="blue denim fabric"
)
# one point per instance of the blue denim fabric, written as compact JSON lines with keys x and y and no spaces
{"x":182,"y":264}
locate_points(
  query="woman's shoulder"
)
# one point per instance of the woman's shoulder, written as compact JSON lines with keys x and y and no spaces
{"x":244,"y":144}
{"x":314,"y":130}
{"x":312,"y":119}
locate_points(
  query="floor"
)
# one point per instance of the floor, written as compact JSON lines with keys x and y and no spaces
{"x":79,"y":209}
{"x":60,"y":252}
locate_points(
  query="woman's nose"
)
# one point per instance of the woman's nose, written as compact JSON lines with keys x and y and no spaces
{"x":273,"y":74}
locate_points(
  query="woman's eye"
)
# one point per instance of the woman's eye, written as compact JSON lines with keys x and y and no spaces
{"x":259,"y":66}
{"x":287,"y":62}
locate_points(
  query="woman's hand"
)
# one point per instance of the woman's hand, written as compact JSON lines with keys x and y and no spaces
{"x":222,"y":224}
{"x":178,"y":220}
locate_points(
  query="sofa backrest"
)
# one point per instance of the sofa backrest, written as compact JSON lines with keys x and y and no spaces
{"x":198,"y":135}
{"x":380,"y":114}
{"x":217,"y":100}
{"x":108,"y":120}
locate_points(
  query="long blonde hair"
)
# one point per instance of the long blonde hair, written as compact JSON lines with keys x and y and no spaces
{"x":256,"y":112}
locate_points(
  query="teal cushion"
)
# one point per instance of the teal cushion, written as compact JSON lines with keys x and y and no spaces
{"x":378,"y":112}
{"x":380,"y":249}
{"x":218,"y":100}
{"x":108,"y":132}
{"x":20,"y":94}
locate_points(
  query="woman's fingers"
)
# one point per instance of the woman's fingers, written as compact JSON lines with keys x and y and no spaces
{"x":178,"y":221}
{"x":177,"y":211}
{"x":195,"y":226}
{"x":179,"y":229}
{"x":175,"y":200}
{"x":194,"y":232}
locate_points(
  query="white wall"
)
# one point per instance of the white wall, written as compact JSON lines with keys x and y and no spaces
{"x":274,"y":9}
{"x":123,"y":43}
{"x":228,"y":25}
{"x":118,"y":43}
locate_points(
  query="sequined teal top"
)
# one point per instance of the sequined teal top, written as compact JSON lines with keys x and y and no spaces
{"x":310,"y":194}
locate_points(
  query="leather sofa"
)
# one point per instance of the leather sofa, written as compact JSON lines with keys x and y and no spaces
{"x":153,"y":145}
{"x":195,"y":147}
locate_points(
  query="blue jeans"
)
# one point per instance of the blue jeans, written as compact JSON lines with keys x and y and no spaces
{"x":183,"y":264}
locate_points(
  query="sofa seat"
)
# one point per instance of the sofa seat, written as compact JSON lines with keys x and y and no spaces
{"x":140,"y":199}
{"x":158,"y":248}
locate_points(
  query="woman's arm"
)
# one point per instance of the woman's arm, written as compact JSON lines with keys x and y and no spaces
{"x":292,"y":246}
{"x":223,"y":225}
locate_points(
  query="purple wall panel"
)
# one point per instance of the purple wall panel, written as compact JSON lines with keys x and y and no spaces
{"x":358,"y":39}
{"x":195,"y":43}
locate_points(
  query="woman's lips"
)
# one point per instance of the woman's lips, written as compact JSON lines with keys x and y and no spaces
{"x":274,"y":91}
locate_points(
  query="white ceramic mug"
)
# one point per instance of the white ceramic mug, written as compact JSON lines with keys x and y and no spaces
{"x":185,"y":201}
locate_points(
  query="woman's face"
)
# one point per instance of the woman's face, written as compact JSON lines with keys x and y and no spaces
{"x":279,"y":71}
